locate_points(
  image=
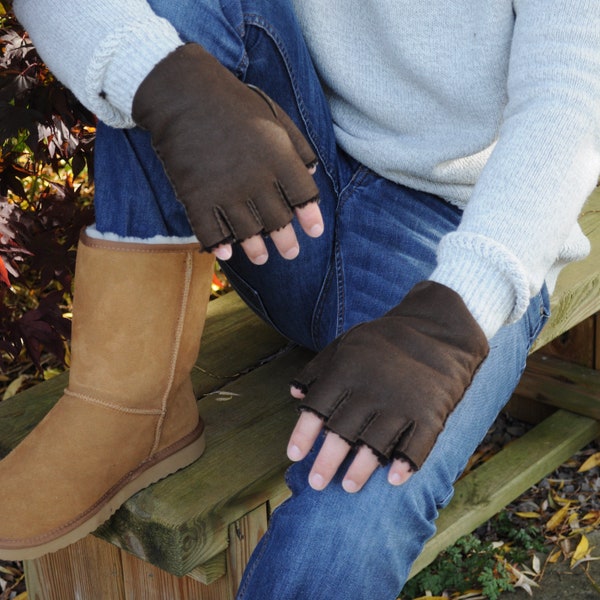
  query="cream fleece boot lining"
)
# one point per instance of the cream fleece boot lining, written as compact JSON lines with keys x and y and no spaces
{"x":157,"y":239}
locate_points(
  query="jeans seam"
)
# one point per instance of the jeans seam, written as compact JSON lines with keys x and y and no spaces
{"x":259,"y":22}
{"x":336,"y":268}
{"x":357,"y":179}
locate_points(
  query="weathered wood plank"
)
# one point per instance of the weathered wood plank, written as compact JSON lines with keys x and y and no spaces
{"x":575,"y":345}
{"x":145,"y":581}
{"x":211,"y":570}
{"x":555,"y":382}
{"x":485,"y":491}
{"x":244,"y":535}
{"x":90,"y":568}
{"x":234,"y":342}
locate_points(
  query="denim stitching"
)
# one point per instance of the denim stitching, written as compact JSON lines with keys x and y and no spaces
{"x":259,"y":22}
{"x":336,"y":268}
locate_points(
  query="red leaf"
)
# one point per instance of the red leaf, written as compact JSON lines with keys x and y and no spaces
{"x":4,"y":273}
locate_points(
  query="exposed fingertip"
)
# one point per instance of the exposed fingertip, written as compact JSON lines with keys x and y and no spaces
{"x":350,"y":486}
{"x":316,"y":230}
{"x":296,"y":392}
{"x":395,"y":479}
{"x":316,"y":481}
{"x":260,"y":259}
{"x":295,"y":453}
{"x":291,"y":253}
{"x":223,"y":252}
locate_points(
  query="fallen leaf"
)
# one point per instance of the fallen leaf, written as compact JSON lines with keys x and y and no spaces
{"x":581,"y":551}
{"x":521,"y":580}
{"x":590,"y":463}
{"x":14,"y":387}
{"x":586,"y":560}
{"x":557,"y":518}
{"x":4,"y":274}
{"x":553,"y":558}
{"x":536,"y":564}
{"x":528,"y":515}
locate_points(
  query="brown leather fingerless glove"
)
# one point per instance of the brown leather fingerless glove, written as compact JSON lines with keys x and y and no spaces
{"x":235,"y":159}
{"x":391,"y":383}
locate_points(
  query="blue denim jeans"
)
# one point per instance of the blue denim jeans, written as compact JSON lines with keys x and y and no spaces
{"x":380,"y":239}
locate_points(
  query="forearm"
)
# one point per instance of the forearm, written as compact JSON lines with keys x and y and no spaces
{"x":101,"y":50}
{"x":522,"y":216}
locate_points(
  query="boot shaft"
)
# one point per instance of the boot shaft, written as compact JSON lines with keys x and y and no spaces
{"x":138,"y":314}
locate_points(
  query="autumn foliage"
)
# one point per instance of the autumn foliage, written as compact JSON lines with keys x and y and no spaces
{"x":46,"y":145}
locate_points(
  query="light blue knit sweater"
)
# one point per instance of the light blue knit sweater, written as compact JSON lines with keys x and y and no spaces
{"x":495,"y":106}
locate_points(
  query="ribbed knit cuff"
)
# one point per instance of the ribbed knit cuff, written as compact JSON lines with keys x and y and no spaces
{"x":490,"y":280}
{"x":122,"y":62}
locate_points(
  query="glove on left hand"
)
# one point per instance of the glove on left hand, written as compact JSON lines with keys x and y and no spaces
{"x":236,"y":160}
{"x":391,"y":383}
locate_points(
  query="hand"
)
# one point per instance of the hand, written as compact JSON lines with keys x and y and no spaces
{"x":236,"y":161}
{"x":388,"y":386}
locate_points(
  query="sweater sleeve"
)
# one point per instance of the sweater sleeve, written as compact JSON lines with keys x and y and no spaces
{"x":524,"y":208}
{"x":101,"y":50}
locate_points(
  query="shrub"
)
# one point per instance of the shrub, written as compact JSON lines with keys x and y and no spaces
{"x":46,"y":146}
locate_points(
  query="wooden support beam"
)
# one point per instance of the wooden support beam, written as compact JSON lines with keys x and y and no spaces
{"x":489,"y":488}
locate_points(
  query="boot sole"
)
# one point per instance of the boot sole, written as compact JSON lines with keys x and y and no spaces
{"x":162,"y":464}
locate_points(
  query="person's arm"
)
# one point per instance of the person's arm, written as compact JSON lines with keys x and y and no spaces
{"x":524,"y":208}
{"x":101,"y":50}
{"x":519,"y":223}
{"x":237,"y":162}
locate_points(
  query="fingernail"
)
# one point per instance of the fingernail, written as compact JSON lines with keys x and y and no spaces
{"x":316,"y":481}
{"x":261,"y":259}
{"x":294,"y":453}
{"x":316,"y":230}
{"x":222,"y":252}
{"x":292,"y":252}
{"x":395,"y":479}
{"x":350,"y":486}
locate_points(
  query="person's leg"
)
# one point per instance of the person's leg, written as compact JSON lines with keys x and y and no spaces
{"x":261,"y":43}
{"x":331,"y":544}
{"x":362,"y":545}
{"x":143,"y":399}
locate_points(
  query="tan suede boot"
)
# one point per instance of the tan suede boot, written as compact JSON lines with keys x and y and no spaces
{"x":129,"y":416}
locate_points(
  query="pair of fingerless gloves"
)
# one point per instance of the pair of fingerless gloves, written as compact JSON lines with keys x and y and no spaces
{"x":240,"y":166}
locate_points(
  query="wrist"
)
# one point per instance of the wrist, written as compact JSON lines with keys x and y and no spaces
{"x":490,"y":280}
{"x":116,"y":72}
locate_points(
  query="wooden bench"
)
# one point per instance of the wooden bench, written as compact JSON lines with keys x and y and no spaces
{"x":190,"y":535}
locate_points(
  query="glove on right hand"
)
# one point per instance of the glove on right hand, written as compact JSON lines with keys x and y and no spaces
{"x":391,"y":383}
{"x":235,"y":159}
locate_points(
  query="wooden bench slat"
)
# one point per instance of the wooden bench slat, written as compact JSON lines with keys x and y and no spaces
{"x":234,"y":342}
{"x":561,"y":384}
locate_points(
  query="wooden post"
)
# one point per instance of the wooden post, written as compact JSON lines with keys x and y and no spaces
{"x":93,"y":569}
{"x":244,"y":535}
